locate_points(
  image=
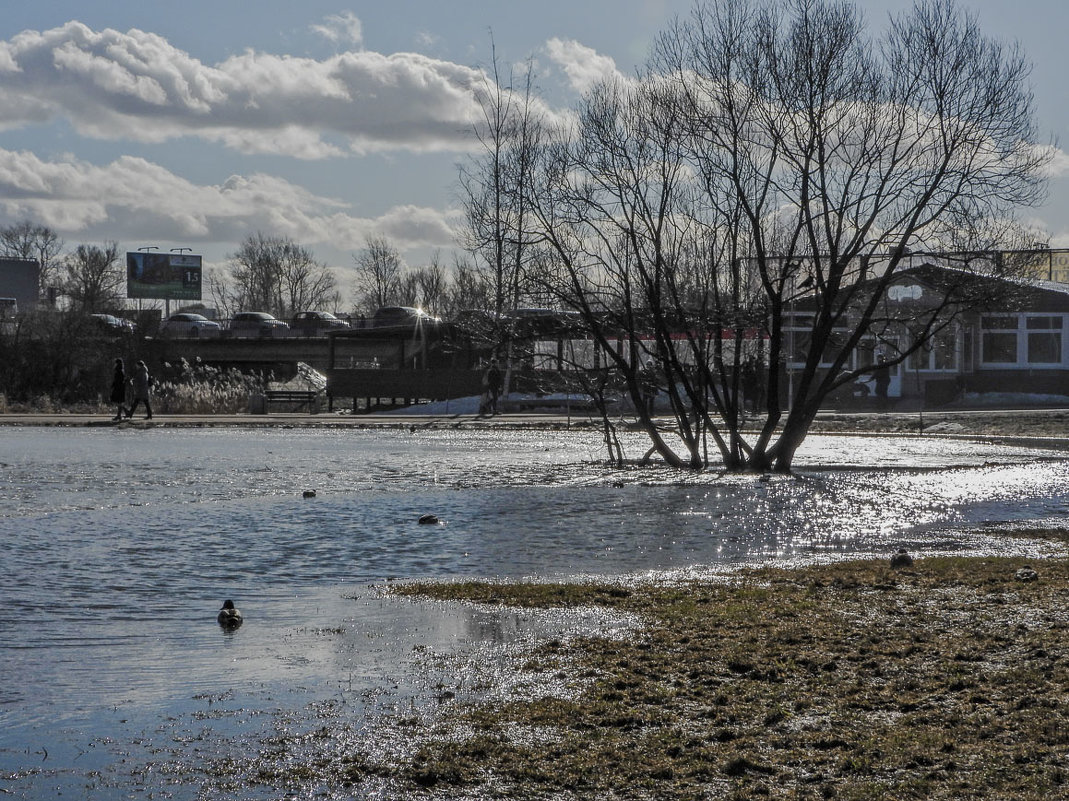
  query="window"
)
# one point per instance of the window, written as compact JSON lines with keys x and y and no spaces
{"x":799,"y":345}
{"x":580,"y":353}
{"x":938,"y":353}
{"x":1044,"y":340}
{"x":1024,"y":340}
{"x":999,"y":340}
{"x":798,"y":330}
{"x":868,"y":352}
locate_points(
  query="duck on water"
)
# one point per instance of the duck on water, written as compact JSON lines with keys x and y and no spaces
{"x":229,"y":617}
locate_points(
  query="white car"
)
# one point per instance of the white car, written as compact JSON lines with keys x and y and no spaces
{"x":188,"y":324}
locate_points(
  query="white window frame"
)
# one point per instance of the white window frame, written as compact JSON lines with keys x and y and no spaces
{"x":928,"y":350}
{"x":1028,"y":332}
{"x":1022,"y":331}
{"x":984,"y":330}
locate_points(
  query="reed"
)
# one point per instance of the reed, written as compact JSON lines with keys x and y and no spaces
{"x":198,"y":388}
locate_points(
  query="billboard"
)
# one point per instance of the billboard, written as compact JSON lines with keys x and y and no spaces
{"x":1045,"y":264}
{"x":167,"y":276}
{"x":1059,"y":266}
{"x":20,"y":279}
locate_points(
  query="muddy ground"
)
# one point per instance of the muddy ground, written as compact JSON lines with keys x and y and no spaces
{"x":1001,"y":423}
{"x":944,"y":679}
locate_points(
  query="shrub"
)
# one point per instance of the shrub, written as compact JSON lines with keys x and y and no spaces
{"x":199,"y":388}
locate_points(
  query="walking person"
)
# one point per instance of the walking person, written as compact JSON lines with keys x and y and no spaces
{"x":118,"y":389}
{"x":648,"y":385}
{"x":142,"y":382}
{"x":493,"y":381}
{"x":882,"y":376}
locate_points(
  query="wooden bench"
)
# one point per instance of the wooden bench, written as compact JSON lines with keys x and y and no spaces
{"x":300,"y":397}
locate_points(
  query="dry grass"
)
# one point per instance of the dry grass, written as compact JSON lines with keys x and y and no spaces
{"x":852,"y":681}
{"x":979,"y":422}
{"x":199,"y":388}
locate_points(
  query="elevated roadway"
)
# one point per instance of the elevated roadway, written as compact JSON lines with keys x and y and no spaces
{"x":266,"y":352}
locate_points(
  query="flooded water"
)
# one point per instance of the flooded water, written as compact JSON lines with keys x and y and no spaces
{"x":118,"y":547}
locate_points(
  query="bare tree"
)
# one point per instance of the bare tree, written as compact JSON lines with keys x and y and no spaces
{"x":95,"y":278}
{"x":226,"y":300}
{"x":306,"y":283}
{"x":759,"y":191}
{"x":494,"y":181}
{"x":276,"y":275}
{"x":469,"y":289}
{"x":378,"y":274}
{"x":28,"y":240}
{"x":426,"y":287}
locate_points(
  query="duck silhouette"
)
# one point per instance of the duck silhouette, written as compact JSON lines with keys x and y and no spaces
{"x":901,"y":559}
{"x":229,"y":617}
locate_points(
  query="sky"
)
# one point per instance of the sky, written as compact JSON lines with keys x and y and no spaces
{"x":195,"y":124}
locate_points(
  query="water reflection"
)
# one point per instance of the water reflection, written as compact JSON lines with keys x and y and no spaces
{"x":119,"y":547}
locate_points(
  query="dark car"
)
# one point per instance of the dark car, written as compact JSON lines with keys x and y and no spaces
{"x":257,"y":324}
{"x":388,"y":316}
{"x":113,"y":324}
{"x":316,"y":323}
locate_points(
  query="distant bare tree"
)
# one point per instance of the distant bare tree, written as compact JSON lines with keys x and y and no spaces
{"x":493,"y":182}
{"x":426,"y":287}
{"x":227,"y":303}
{"x":469,"y":289}
{"x":276,"y":275}
{"x":307,"y":285}
{"x":378,"y":274}
{"x":95,"y":278}
{"x":28,"y":240}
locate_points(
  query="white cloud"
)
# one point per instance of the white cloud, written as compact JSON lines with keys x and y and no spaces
{"x":1059,"y":162}
{"x":427,"y":39}
{"x":134,"y":200}
{"x":418,"y":226}
{"x":583,"y":65}
{"x":137,"y":86}
{"x":342,"y":28}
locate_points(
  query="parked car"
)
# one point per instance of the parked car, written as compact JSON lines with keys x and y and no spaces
{"x":316,"y":323}
{"x":256,"y":324}
{"x":188,"y":324}
{"x":400,"y":315}
{"x":113,"y":324}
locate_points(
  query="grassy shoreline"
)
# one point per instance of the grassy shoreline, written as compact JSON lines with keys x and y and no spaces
{"x":849,"y":680}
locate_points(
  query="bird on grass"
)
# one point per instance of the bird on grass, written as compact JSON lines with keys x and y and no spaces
{"x":901,"y":559}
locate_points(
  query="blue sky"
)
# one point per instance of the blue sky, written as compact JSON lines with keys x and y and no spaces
{"x":194,"y":124}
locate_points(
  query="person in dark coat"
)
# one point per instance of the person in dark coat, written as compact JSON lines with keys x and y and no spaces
{"x":647,"y":380}
{"x":142,"y":387}
{"x":494,"y":383}
{"x":882,"y":376}
{"x":118,"y":389}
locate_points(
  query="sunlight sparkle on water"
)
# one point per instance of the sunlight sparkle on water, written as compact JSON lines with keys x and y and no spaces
{"x":96,"y":523}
